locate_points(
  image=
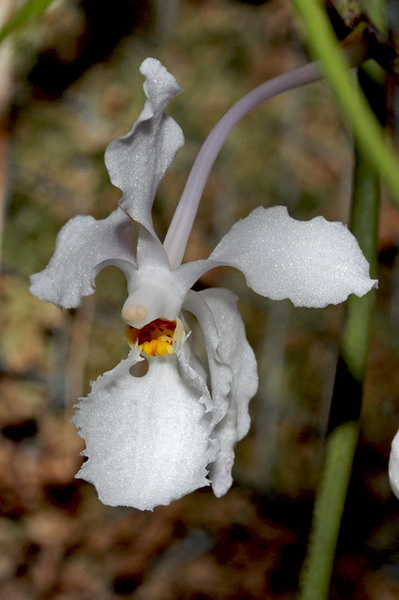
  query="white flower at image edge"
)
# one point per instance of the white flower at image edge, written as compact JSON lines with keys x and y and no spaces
{"x":151,"y":439}
{"x":394,"y":466}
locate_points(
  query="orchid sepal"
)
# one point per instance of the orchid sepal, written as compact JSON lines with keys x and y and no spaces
{"x":84,"y":246}
{"x":313,"y":263}
{"x":137,"y":161}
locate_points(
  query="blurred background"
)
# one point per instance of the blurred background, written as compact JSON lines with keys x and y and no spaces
{"x":69,"y":84}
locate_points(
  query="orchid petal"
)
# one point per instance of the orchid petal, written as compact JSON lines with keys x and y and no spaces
{"x":150,"y":251}
{"x":193,"y":372}
{"x":234,"y":350}
{"x":147,"y":438}
{"x":188,"y":273}
{"x":233,"y":370}
{"x":220,"y":372}
{"x":313,"y":263}
{"x":137,"y":161}
{"x":84,"y":246}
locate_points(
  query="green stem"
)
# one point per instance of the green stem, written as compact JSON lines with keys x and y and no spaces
{"x":343,"y":425}
{"x":30,"y":9}
{"x":369,"y":135}
{"x":330,"y":501}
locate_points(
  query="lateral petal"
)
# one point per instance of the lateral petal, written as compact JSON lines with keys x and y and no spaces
{"x":138,"y":160}
{"x":313,"y":263}
{"x":147,"y":438}
{"x":233,"y":371}
{"x":84,"y":246}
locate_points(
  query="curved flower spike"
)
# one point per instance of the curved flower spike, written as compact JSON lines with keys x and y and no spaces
{"x":153,"y":438}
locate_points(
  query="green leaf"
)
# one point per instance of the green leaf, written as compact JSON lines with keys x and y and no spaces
{"x":366,"y":129}
{"x":29,"y":10}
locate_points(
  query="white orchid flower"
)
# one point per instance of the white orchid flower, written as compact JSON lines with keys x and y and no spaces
{"x":152,"y":439}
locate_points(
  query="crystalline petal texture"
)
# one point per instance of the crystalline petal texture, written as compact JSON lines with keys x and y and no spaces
{"x":313,"y":263}
{"x":84,"y":247}
{"x":137,"y":161}
{"x":233,"y":373}
{"x":148,"y":439}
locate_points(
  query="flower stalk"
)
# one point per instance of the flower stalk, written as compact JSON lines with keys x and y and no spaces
{"x":175,"y":242}
{"x":180,"y":227}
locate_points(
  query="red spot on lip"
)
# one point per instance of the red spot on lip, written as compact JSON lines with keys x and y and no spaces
{"x":151,"y":331}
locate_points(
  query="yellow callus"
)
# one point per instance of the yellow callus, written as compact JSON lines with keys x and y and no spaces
{"x":156,"y":338}
{"x":158,"y":347}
